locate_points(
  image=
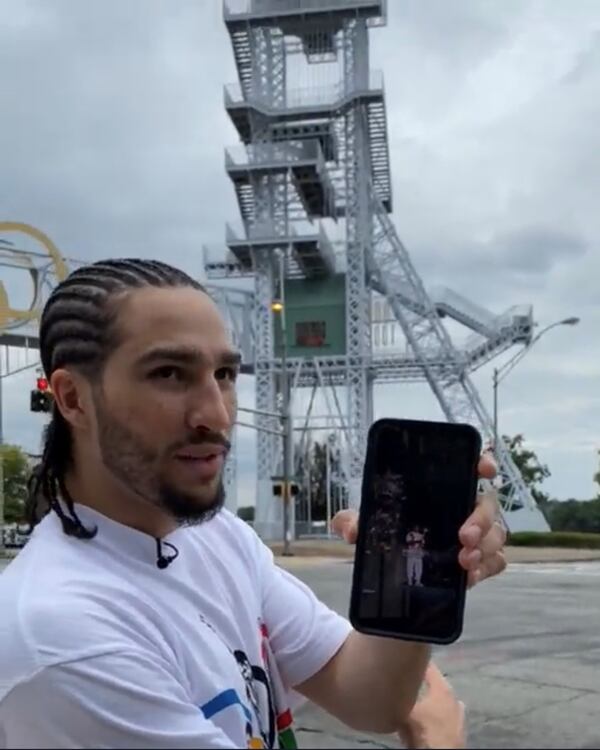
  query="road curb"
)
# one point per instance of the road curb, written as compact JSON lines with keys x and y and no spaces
{"x":514,"y":555}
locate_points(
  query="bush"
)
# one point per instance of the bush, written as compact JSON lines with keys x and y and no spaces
{"x":570,"y":539}
{"x":246,"y":513}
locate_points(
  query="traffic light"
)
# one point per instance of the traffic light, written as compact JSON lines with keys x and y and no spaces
{"x":41,"y":396}
{"x":41,"y":401}
{"x":42,"y":384}
{"x":278,"y":489}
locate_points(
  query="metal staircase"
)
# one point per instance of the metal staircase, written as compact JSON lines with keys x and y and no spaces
{"x":310,"y":253}
{"x":328,"y":103}
{"x":243,"y":55}
{"x":302,"y":161}
{"x":379,"y":152}
{"x":319,"y":152}
{"x":390,"y":267}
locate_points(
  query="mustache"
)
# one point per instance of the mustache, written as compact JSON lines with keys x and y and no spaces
{"x":204,"y":438}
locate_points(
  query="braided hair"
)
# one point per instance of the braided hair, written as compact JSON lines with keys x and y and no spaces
{"x":77,"y":330}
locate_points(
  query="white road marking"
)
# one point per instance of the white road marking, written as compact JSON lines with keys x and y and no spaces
{"x":564,"y":569}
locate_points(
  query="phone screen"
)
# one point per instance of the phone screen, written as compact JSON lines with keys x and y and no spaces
{"x":419,"y":487}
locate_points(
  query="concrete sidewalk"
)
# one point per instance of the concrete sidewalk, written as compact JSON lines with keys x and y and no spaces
{"x":316,"y":550}
{"x":333,"y":548}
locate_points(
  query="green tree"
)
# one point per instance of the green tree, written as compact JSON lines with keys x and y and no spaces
{"x":597,"y":479}
{"x":312,"y":472}
{"x":246,"y":513}
{"x":532,"y":470}
{"x":574,"y":515}
{"x":16,"y":473}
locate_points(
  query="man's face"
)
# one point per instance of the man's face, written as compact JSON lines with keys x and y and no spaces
{"x":166,"y":402}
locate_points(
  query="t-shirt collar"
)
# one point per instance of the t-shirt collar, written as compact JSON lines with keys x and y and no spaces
{"x":129,"y":540}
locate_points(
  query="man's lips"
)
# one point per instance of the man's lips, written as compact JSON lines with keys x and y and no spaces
{"x":201,"y":462}
{"x":196,"y":452}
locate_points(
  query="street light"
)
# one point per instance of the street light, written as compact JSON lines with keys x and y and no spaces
{"x":501,"y":372}
{"x":278,"y":307}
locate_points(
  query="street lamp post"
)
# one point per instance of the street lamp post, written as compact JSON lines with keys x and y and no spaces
{"x":501,"y":372}
{"x":278,"y":306}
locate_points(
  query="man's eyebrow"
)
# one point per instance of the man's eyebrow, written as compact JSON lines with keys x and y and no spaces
{"x":188,"y":356}
{"x":231,"y":357}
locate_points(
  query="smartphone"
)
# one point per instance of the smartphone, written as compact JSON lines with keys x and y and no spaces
{"x":419,"y":486}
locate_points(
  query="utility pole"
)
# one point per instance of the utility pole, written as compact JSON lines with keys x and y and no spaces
{"x":496,"y":381}
{"x":328,"y":484}
{"x":287,"y":428}
{"x":285,"y":412}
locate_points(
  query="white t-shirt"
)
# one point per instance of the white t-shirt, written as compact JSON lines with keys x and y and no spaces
{"x":101,"y":648}
{"x":416,"y":544}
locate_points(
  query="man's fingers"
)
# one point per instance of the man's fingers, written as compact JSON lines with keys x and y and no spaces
{"x":434,"y":679}
{"x":345,"y":524}
{"x":480,"y":521}
{"x":492,"y":566}
{"x":470,"y":559}
{"x":487,"y":467}
{"x":494,"y":540}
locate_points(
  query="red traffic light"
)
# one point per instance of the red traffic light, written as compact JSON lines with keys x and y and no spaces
{"x":42,"y":384}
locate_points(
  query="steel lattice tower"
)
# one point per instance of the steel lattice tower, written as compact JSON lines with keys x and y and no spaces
{"x":314,"y":154}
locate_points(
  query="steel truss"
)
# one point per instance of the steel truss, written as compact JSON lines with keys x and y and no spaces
{"x":347,"y":120}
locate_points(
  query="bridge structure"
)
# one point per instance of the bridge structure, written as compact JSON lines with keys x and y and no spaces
{"x":392,"y":361}
{"x":312,"y":176}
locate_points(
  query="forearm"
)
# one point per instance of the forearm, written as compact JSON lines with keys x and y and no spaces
{"x":372,"y":683}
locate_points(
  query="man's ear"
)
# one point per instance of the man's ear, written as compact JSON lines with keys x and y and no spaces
{"x":72,"y":395}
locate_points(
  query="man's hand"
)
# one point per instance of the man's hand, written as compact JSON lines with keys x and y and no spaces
{"x":482,"y":536}
{"x":438,"y":719}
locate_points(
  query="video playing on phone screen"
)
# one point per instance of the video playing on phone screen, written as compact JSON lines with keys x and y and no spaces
{"x":419,"y":487}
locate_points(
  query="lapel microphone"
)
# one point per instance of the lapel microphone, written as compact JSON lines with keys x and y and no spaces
{"x":163,"y":561}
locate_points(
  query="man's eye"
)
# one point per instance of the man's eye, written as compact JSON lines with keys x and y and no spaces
{"x":226,"y":373}
{"x":167,"y":373}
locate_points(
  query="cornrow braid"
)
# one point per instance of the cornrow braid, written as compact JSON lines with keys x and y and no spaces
{"x":77,"y":330}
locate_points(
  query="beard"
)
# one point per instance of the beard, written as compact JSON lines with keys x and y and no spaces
{"x":134,"y":465}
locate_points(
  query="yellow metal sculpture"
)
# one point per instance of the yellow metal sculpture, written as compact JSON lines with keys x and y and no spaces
{"x":11,"y":317}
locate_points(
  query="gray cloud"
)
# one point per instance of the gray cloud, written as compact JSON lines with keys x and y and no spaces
{"x":106,"y":135}
{"x":587,"y":63}
{"x":536,"y":249}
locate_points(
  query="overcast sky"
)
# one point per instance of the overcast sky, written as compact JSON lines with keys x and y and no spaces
{"x":112,"y":132}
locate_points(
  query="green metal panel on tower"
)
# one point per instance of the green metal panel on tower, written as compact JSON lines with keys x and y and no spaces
{"x":315,"y":317}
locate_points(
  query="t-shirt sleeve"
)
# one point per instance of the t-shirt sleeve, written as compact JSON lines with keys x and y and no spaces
{"x":124,"y":699}
{"x":304,"y":633}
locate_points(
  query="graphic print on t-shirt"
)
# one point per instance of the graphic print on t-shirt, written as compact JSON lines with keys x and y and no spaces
{"x":267,"y":723}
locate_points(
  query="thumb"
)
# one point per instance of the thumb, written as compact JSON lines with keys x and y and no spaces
{"x":345,"y":524}
{"x":435,"y":680}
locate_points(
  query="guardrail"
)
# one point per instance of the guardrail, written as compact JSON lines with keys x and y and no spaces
{"x":233,"y":8}
{"x":308,"y":96}
{"x":273,"y":152}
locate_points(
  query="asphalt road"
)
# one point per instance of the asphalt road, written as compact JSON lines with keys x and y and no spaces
{"x":527,"y":666}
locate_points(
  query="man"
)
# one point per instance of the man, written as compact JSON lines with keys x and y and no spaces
{"x":141,"y":614}
{"x":415,"y":551}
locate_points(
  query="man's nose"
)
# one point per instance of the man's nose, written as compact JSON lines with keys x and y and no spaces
{"x":211,"y":409}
